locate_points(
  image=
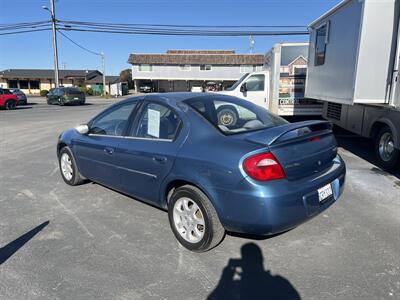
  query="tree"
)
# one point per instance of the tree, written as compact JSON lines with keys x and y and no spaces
{"x":126,"y":76}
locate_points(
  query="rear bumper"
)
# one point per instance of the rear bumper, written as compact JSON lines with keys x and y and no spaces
{"x":277,"y":206}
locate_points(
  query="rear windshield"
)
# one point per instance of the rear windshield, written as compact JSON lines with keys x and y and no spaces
{"x":232,"y":115}
{"x":72,"y":90}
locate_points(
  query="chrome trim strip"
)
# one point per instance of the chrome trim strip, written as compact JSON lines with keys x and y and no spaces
{"x":131,"y":137}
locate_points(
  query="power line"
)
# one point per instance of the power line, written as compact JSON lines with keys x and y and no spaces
{"x":179,"y":25}
{"x":187,"y":33}
{"x":80,"y":46}
{"x":25,"y":31}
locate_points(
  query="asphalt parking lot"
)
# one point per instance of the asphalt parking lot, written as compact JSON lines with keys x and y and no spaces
{"x":89,"y":242}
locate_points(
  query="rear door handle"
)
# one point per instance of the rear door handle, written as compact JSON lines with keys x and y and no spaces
{"x":109,"y":150}
{"x":160,"y":159}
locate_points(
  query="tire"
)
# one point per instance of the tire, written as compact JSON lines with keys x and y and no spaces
{"x":386,"y":153}
{"x":212,"y":230}
{"x":61,"y":102}
{"x":227,"y":115}
{"x":10,"y":104}
{"x":76,"y":178}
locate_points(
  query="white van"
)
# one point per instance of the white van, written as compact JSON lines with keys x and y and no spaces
{"x":280,"y":87}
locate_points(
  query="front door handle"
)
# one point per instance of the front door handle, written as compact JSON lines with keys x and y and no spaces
{"x":109,"y":150}
{"x":159,"y":159}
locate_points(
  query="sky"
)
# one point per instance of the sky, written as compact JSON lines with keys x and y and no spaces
{"x":34,"y":50}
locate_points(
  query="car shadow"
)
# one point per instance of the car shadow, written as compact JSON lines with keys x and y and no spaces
{"x":363,"y":148}
{"x":246,"y":278}
{"x":8,"y":250}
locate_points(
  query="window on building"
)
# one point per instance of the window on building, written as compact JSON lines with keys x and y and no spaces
{"x":13,"y":84}
{"x":184,"y":67}
{"x":320,"y":44}
{"x":145,"y":68}
{"x":247,"y":68}
{"x":35,"y":84}
{"x":205,"y":67}
{"x":255,"y":83}
{"x":23,"y":84}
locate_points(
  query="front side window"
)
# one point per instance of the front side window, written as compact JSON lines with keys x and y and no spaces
{"x":157,"y":122}
{"x":320,"y":44}
{"x":255,"y":83}
{"x":114,"y":121}
{"x":232,"y":115}
{"x":145,"y":68}
{"x":205,"y":67}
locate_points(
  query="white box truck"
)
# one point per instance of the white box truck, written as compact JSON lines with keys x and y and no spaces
{"x":280,"y":86}
{"x":353,"y":67}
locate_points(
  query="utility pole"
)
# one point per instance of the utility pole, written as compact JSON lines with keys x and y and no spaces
{"x":252,"y":42}
{"x":104,"y":72}
{"x":54,"y":31}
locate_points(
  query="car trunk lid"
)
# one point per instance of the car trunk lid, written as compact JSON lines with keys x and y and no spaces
{"x":302,"y":148}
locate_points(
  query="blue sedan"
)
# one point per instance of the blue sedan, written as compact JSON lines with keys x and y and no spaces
{"x":216,"y":163}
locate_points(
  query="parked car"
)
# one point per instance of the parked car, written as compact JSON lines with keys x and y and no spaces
{"x":146,"y":88}
{"x":22,"y":99}
{"x":65,"y":95}
{"x":197,"y":89}
{"x":260,"y":176}
{"x":8,"y":100}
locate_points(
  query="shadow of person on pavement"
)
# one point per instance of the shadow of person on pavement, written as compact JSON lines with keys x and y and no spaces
{"x":246,"y":278}
{"x":8,"y":250}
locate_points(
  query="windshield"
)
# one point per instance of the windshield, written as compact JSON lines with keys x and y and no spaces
{"x":232,"y":115}
{"x":237,"y":82}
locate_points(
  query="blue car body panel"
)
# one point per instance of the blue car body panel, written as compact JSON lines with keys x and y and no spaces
{"x":205,"y":157}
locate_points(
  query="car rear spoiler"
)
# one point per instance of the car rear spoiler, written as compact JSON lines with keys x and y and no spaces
{"x":278,"y":134}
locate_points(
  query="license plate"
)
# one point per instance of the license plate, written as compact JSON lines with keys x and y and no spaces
{"x":76,"y":98}
{"x":325,"y":192}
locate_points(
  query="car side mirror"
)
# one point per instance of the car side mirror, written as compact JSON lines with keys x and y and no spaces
{"x":82,"y":129}
{"x":243,"y":88}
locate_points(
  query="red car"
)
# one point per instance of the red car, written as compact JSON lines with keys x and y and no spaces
{"x":7,"y":99}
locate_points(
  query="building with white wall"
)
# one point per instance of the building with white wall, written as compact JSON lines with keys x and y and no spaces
{"x":180,"y":70}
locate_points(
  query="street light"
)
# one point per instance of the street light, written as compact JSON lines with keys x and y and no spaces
{"x":54,"y":31}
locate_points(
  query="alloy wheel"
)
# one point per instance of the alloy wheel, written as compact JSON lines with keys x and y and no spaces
{"x":188,"y":220}
{"x":66,"y":166}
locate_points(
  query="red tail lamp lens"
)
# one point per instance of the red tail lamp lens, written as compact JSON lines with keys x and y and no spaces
{"x":263,"y":167}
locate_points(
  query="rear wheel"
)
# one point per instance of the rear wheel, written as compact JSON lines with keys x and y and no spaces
{"x":194,"y":220}
{"x":68,"y":168}
{"x":386,"y":152}
{"x":10,"y":105}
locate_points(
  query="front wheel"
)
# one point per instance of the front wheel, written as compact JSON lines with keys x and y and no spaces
{"x":68,"y":168}
{"x":386,"y":152}
{"x":227,"y":115}
{"x":10,"y":104}
{"x":194,"y":220}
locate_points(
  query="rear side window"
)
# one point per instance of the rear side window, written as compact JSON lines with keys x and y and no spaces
{"x":157,"y":122}
{"x":233,"y":115}
{"x":72,"y":90}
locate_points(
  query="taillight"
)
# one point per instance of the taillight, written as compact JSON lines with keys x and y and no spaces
{"x":263,"y":167}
